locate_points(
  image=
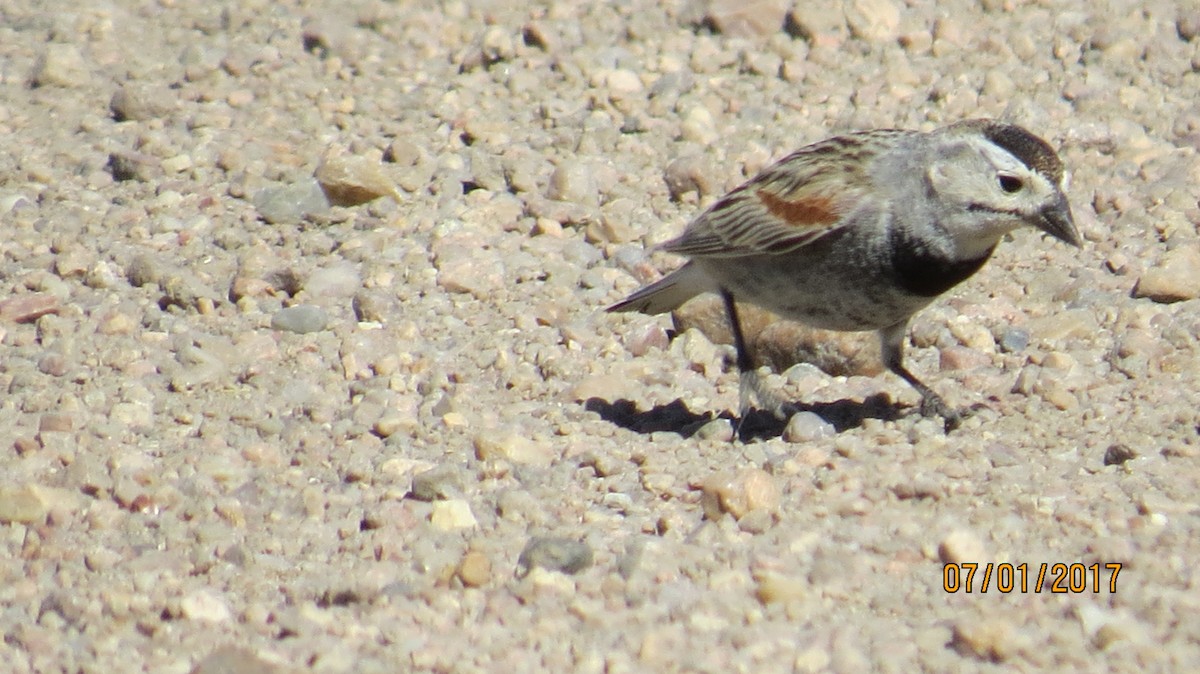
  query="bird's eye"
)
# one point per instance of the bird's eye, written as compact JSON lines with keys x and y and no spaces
{"x":1011,"y":184}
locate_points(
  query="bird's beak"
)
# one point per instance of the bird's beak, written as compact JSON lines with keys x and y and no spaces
{"x":1056,"y":220}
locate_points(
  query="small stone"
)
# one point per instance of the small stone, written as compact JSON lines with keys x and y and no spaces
{"x":56,"y":423}
{"x":61,"y":65}
{"x":1060,"y":396}
{"x":719,"y":430}
{"x":601,"y":387}
{"x":234,"y":660}
{"x":573,"y":181}
{"x":28,"y":308}
{"x":747,"y":19}
{"x":1175,"y":278}
{"x":390,"y":424}
{"x":823,"y":26}
{"x":53,"y":364}
{"x":14,"y":202}
{"x":352,"y":181}
{"x":301,"y":319}
{"x":1064,"y":325}
{"x":623,"y":83}
{"x":757,"y":522}
{"x":873,"y":20}
{"x":989,"y":639}
{"x":961,"y":546}
{"x":649,"y":337}
{"x":509,"y":445}
{"x":177,"y":164}
{"x":26,"y":445}
{"x":338,"y":280}
{"x":1118,"y":454}
{"x":373,"y":305}
{"x":772,"y":588}
{"x":807,"y":426}
{"x":452,"y":514}
{"x":183,"y":288}
{"x":1014,"y":340}
{"x":205,"y":606}
{"x":961,"y":358}
{"x":690,"y":173}
{"x":477,"y":272}
{"x":26,"y":504}
{"x":136,"y":103}
{"x":699,"y":126}
{"x":475,"y":569}
{"x":739,"y":493}
{"x":439,"y":483}
{"x":133,"y":165}
{"x":289,"y":204}
{"x":144,"y":270}
{"x":555,"y":554}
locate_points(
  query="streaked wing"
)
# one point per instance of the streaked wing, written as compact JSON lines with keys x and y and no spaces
{"x":791,"y":204}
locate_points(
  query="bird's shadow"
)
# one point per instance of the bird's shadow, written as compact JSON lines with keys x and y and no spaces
{"x":675,"y":417}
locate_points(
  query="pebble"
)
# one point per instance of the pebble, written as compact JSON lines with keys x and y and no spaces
{"x":338,"y":280}
{"x":452,"y":514}
{"x":1175,"y":278}
{"x":573,"y":180}
{"x":353,"y":181}
{"x":989,"y":639}
{"x":301,"y":319}
{"x":513,"y":446}
{"x":773,"y":588}
{"x":1118,"y":454}
{"x":699,"y":126}
{"x":1014,"y":340}
{"x":719,"y":430}
{"x":875,"y":21}
{"x":475,"y":569}
{"x":555,"y":554}
{"x":690,"y":174}
{"x":954,"y":358}
{"x":28,"y":308}
{"x":133,"y":165}
{"x":26,"y":504}
{"x":139,"y":103}
{"x":754,"y":19}
{"x":61,"y":65}
{"x":807,"y":427}
{"x":739,"y":493}
{"x":440,"y":483}
{"x":234,"y":660}
{"x":961,"y":546}
{"x":475,"y":272}
{"x":290,"y":204}
{"x":205,"y":606}
{"x":623,"y":83}
{"x":177,"y":164}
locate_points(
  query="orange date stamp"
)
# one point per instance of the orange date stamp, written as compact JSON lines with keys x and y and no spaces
{"x":1003,"y":577}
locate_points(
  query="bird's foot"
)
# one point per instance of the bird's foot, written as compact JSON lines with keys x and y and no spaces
{"x":932,"y":405}
{"x":751,"y":387}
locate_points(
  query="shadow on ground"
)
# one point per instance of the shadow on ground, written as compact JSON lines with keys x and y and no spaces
{"x":675,"y":417}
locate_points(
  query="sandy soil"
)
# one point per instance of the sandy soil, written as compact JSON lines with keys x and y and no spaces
{"x":244,"y":429}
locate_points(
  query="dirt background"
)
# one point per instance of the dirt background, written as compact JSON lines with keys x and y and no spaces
{"x":243,"y":429}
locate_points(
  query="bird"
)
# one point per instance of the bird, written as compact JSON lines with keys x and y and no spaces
{"x":861,"y":231}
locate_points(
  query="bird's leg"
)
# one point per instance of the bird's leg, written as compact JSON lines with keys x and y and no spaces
{"x":749,"y":385}
{"x":891,"y":341}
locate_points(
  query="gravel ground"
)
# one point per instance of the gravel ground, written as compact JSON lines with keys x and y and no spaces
{"x":251,"y":424}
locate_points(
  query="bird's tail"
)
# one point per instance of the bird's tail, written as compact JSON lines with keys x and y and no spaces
{"x":668,"y":293}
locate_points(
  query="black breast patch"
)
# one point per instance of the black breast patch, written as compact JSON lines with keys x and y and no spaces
{"x":925,"y":273}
